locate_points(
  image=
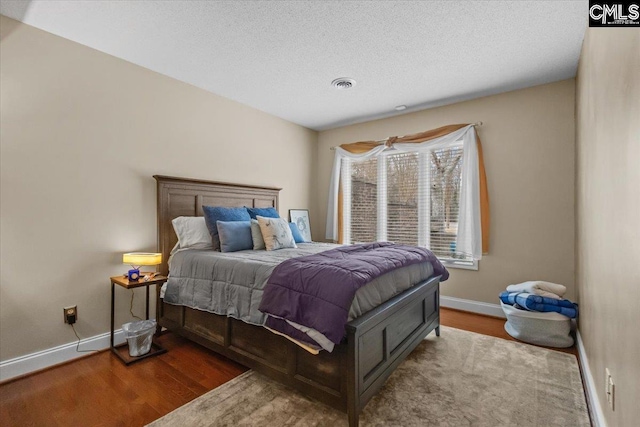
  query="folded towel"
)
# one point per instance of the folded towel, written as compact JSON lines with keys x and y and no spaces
{"x":537,"y":303}
{"x":538,"y":287}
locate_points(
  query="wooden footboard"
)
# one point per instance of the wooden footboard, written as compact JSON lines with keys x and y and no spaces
{"x":381,"y":339}
{"x":347,"y":378}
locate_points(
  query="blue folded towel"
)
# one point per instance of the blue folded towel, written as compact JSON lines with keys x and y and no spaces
{"x":537,"y":303}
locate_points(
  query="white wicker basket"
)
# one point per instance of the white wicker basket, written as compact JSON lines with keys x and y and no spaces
{"x":546,"y":329}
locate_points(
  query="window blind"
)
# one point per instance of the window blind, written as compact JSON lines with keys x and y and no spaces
{"x":445,"y":168}
{"x":360,"y":200}
{"x":409,"y":198}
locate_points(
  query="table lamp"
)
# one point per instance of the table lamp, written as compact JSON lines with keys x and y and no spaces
{"x":138,"y":259}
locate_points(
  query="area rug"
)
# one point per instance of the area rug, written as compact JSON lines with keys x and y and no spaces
{"x":459,"y":379}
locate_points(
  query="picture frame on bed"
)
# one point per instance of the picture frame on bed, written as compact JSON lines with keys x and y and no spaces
{"x":300,"y":217}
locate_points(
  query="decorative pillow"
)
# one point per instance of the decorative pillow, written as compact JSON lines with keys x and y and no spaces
{"x":276,"y":233}
{"x":214,"y":214}
{"x":256,"y":236}
{"x":295,"y":232}
{"x":265,"y":212}
{"x":192,"y":232}
{"x":234,"y":235}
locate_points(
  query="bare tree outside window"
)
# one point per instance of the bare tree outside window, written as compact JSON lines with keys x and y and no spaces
{"x":402,"y":198}
{"x":446,"y":173}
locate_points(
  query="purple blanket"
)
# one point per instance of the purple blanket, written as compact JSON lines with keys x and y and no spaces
{"x":317,"y":290}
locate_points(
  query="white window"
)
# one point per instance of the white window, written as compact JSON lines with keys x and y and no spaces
{"x":406,"y":197}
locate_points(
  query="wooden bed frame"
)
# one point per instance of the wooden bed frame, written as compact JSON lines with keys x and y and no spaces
{"x":347,"y":378}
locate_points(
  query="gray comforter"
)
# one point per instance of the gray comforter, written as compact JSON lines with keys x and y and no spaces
{"x":231,"y":284}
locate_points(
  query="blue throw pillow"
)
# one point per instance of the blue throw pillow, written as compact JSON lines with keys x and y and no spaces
{"x":297,"y":237}
{"x":214,"y":214}
{"x":235,"y":235}
{"x":265,"y":212}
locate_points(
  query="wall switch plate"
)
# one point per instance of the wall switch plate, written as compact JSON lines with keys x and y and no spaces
{"x":610,"y":389}
{"x":71,"y":314}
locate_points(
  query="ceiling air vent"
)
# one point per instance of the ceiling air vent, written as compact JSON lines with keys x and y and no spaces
{"x":343,"y":83}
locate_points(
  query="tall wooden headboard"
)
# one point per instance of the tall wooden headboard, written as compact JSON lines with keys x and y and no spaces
{"x":185,"y":197}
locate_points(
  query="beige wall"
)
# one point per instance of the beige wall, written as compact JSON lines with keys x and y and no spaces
{"x":528,"y":143}
{"x":82,"y":135}
{"x":608,"y":211}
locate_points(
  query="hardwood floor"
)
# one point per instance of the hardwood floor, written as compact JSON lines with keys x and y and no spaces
{"x":99,"y":390}
{"x":485,"y":325}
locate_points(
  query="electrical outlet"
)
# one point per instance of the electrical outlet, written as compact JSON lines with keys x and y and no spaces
{"x":71,"y":314}
{"x":610,"y":389}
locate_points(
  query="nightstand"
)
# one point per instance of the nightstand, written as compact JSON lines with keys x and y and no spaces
{"x":122,"y":350}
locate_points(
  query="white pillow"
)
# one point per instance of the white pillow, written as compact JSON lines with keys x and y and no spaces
{"x":256,"y":236}
{"x":276,"y":233}
{"x":192,"y":232}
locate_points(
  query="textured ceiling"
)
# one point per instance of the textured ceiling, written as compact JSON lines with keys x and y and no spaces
{"x":280,"y":57}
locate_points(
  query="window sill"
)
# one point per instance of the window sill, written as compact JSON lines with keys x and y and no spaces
{"x":456,"y":263}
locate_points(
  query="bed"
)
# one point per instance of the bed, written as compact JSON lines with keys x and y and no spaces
{"x":375,"y":343}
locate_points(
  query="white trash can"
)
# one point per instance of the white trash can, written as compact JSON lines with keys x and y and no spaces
{"x":139,"y":336}
{"x":546,"y":329}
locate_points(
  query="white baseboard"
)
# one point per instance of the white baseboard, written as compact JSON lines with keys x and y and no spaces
{"x":43,"y":359}
{"x":595,"y":410}
{"x":472,"y":306}
{"x":53,"y":356}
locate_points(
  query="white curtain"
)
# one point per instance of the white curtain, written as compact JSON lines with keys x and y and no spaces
{"x":469,"y":236}
{"x":332,"y":208}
